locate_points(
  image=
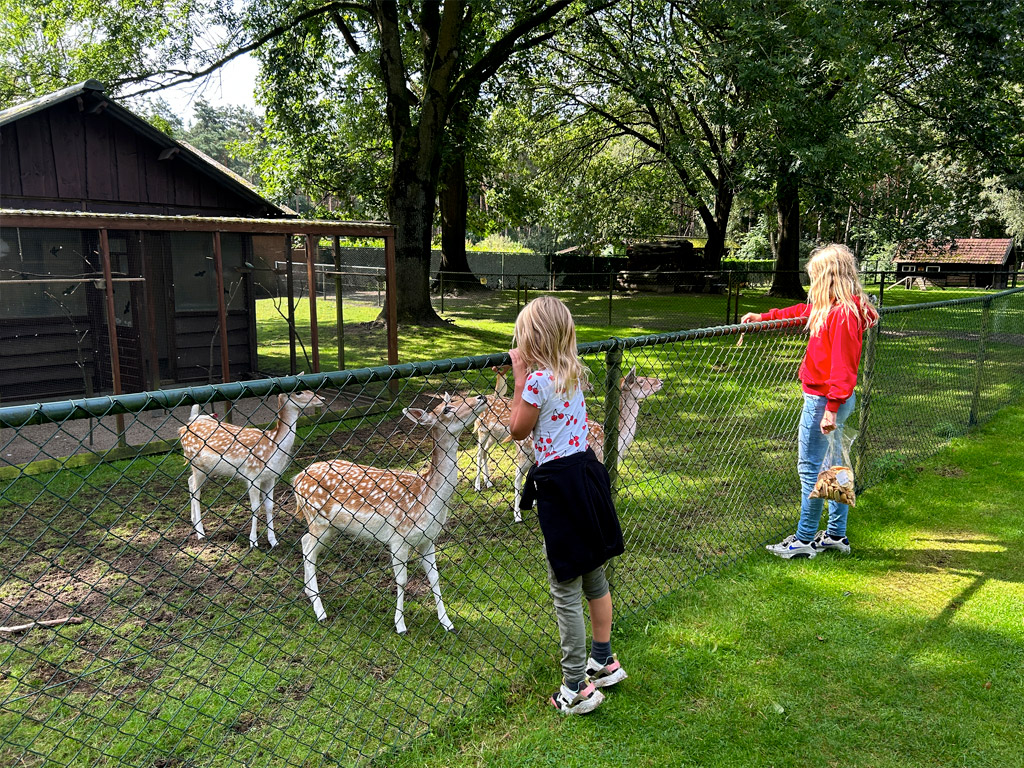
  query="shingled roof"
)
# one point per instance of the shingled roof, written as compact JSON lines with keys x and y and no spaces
{"x":966,"y":250}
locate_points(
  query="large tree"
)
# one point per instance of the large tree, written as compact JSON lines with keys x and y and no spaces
{"x":422,"y":66}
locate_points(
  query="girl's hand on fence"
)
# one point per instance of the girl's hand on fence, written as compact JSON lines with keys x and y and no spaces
{"x":828,"y":422}
{"x":519,"y":367}
{"x":751,"y":317}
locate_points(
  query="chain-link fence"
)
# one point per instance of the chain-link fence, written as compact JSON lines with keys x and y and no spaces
{"x":126,"y":638}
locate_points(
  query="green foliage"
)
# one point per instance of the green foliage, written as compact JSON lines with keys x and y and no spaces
{"x":498,"y":243}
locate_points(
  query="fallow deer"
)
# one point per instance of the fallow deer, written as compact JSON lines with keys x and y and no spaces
{"x":493,"y":427}
{"x":402,"y":510}
{"x":257,"y":457}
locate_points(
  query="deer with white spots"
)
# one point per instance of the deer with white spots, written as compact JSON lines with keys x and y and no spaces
{"x":493,"y":427}
{"x":402,"y":510}
{"x":257,"y":457}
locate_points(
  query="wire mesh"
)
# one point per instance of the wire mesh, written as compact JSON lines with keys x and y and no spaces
{"x":168,"y":648}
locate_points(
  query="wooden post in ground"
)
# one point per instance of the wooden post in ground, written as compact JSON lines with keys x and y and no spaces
{"x":314,"y":329}
{"x":115,"y":357}
{"x":290,"y":288}
{"x":222,"y":319}
{"x":338,"y":303}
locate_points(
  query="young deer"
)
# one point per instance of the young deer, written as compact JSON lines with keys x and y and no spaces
{"x":404,"y":511}
{"x":492,"y":428}
{"x":255,"y":456}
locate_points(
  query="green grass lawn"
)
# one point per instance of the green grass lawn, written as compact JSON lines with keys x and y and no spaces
{"x":483,"y":323}
{"x":906,"y":653}
{"x":206,"y":652}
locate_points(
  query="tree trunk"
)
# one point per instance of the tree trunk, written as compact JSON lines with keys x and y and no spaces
{"x":454,"y":205}
{"x":714,"y":249}
{"x":786,"y":283}
{"x":411,"y":209}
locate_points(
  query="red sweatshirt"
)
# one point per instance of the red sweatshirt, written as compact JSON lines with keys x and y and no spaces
{"x":830,"y":364}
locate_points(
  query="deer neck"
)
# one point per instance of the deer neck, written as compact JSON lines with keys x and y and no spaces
{"x":629,"y":411}
{"x":443,"y":471}
{"x":284,"y":434}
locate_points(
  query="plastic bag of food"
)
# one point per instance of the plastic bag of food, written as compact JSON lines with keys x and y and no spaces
{"x":835,"y":478}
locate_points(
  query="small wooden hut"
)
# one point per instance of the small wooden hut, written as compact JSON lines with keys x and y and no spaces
{"x":127,"y":257}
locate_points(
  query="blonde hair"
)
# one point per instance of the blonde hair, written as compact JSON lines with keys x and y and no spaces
{"x":834,"y":283}
{"x":546,"y":338}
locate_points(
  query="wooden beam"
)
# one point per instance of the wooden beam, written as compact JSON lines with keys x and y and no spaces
{"x":154,"y":223}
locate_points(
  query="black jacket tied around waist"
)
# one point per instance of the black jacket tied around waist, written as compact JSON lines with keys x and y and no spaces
{"x":577,"y":516}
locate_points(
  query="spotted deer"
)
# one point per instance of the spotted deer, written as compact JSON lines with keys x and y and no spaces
{"x":493,"y":427}
{"x":258,"y":457}
{"x":402,"y":510}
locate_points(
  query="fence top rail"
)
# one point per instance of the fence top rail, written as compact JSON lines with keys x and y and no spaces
{"x":16,"y":416}
{"x":949,"y":302}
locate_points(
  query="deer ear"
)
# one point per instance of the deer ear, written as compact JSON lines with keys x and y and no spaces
{"x":631,"y":376}
{"x":419,"y":416}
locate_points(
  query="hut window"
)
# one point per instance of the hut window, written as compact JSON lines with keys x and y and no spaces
{"x":195,"y":275}
{"x":908,"y":268}
{"x":38,"y":271}
{"x":932,"y":269}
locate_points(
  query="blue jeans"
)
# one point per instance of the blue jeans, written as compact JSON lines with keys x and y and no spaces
{"x":812,"y":445}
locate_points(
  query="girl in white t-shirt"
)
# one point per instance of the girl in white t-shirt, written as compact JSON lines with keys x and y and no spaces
{"x":571,"y":487}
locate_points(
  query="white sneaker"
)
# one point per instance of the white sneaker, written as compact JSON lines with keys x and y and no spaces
{"x":824,"y":542}
{"x":605,"y":675}
{"x":791,"y":547}
{"x":569,"y":702}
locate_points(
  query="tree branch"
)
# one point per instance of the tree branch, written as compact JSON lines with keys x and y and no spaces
{"x":186,"y":76}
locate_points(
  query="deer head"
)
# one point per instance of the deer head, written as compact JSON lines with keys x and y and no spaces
{"x":452,"y":414}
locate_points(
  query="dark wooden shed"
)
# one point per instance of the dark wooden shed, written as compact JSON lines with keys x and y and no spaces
{"x":126,"y":257}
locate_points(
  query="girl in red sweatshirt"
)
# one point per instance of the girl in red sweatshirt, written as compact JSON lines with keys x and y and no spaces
{"x":837,"y":315}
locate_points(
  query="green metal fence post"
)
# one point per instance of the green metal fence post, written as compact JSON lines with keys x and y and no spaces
{"x":440,"y":278}
{"x":860,"y":450}
{"x":979,"y":371}
{"x":519,"y":279}
{"x":613,"y":372}
{"x":881,"y":290}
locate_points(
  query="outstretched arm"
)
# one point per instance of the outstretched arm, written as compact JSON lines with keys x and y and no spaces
{"x":524,"y":415}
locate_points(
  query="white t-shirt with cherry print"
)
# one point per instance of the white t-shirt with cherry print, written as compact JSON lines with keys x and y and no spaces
{"x":562,"y":423}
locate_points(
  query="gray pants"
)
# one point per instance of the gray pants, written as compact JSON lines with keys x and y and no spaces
{"x":572,"y":629}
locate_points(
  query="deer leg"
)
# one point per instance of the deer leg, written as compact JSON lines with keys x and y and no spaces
{"x":400,"y":564}
{"x":312,"y":541}
{"x":483,"y":446}
{"x":522,"y":467}
{"x":429,"y":563}
{"x":268,"y":507}
{"x":255,"y":501}
{"x":195,"y":484}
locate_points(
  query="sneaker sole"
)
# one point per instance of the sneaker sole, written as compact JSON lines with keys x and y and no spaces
{"x":835,"y":548}
{"x":615,"y":677}
{"x":793,"y":555}
{"x":583,"y":707}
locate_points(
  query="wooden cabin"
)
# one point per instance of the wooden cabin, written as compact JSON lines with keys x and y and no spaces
{"x":967,"y":262}
{"x":127,"y":258}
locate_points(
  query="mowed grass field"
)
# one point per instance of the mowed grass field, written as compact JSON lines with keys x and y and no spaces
{"x":206,"y":652}
{"x":906,"y":653}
